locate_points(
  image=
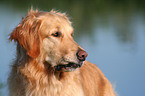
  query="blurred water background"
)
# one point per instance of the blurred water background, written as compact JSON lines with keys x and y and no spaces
{"x":111,"y":31}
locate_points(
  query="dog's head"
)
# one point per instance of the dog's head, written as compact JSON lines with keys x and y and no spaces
{"x":48,"y":36}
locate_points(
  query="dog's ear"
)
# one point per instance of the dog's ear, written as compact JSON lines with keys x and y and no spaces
{"x":27,"y":35}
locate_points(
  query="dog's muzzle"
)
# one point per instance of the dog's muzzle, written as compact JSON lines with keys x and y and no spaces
{"x":81,"y":56}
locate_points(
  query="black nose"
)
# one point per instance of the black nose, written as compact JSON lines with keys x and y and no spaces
{"x":81,"y":55}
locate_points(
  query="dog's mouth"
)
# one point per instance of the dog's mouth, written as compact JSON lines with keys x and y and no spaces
{"x":68,"y":67}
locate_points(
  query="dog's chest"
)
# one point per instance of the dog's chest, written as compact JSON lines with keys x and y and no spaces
{"x":72,"y":90}
{"x":57,"y":91}
{"x":57,"y":88}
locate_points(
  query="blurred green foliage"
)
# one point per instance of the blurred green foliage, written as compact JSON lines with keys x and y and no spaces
{"x":88,"y":14}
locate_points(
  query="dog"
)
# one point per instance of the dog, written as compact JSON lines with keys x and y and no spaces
{"x":49,"y":62}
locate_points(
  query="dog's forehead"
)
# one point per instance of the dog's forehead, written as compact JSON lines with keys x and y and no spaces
{"x":54,"y":21}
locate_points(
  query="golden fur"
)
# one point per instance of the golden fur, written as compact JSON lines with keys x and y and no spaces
{"x":38,"y":51}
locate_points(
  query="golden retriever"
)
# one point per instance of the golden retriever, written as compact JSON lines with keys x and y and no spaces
{"x":50,"y":63}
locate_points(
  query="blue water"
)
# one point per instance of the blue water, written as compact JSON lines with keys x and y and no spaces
{"x":122,"y":62}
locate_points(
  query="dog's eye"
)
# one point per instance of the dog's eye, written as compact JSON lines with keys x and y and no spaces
{"x":56,"y":34}
{"x":72,"y":34}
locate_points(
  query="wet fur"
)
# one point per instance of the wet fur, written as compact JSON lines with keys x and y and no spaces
{"x":33,"y":75}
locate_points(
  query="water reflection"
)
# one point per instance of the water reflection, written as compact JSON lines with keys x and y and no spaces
{"x":1,"y":86}
{"x":112,"y":32}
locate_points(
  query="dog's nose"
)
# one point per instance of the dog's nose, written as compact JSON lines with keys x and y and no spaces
{"x":81,"y":55}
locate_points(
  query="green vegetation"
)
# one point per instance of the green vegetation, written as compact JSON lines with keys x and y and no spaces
{"x":88,"y":14}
